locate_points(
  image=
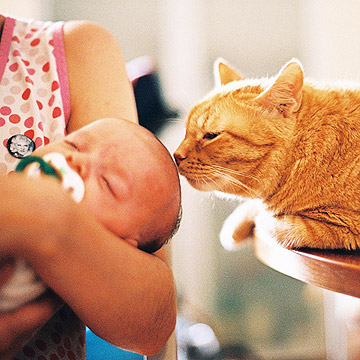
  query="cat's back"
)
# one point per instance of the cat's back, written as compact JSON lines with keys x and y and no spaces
{"x":340,"y":98}
{"x":326,"y":145}
{"x":331,"y":109}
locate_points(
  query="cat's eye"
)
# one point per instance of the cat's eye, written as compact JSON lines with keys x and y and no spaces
{"x":209,"y":136}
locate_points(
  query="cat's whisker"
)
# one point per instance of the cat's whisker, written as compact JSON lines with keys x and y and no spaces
{"x":211,"y":179}
{"x":235,"y":172}
{"x":229,"y":173}
{"x":204,"y":178}
{"x":235,"y":182}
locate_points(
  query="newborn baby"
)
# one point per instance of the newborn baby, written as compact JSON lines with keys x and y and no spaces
{"x":124,"y":176}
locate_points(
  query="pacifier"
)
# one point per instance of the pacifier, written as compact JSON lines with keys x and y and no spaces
{"x":54,"y":164}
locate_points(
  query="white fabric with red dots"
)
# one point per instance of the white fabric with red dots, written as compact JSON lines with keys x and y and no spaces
{"x":34,"y":89}
{"x":61,"y":338}
{"x":35,"y":102}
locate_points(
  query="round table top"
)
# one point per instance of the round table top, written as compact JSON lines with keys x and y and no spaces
{"x":335,"y":270}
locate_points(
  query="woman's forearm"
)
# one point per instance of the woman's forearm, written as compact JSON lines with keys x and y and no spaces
{"x":123,"y":294}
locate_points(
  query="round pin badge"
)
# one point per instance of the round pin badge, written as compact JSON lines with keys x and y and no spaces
{"x":20,"y":146}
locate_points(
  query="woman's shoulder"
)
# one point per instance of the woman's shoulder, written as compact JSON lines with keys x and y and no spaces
{"x":84,"y":33}
{"x":98,"y":81}
{"x":89,"y":46}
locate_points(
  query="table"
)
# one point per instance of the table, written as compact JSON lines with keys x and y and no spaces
{"x":334,"y":270}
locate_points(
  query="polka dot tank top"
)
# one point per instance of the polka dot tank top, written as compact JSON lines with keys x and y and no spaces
{"x":35,"y":104}
{"x":34,"y":88}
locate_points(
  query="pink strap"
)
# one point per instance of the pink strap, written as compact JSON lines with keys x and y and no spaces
{"x":59,"y":53}
{"x":5,"y":43}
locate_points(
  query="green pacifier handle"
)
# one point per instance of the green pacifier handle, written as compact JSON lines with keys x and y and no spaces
{"x":46,"y":168}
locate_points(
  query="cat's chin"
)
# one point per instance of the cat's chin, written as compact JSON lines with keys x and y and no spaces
{"x":227,"y":196}
{"x":215,"y":187}
{"x":199,"y":185}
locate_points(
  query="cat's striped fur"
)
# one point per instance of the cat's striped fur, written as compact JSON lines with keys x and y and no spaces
{"x":293,"y":144}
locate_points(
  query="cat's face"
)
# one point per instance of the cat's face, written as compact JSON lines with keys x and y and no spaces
{"x":224,"y":145}
{"x":234,"y":138}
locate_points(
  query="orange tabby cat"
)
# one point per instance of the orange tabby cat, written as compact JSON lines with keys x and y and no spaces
{"x":293,"y":144}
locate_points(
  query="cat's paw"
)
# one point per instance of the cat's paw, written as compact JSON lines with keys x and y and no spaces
{"x":239,"y":226}
{"x":283,"y":230}
{"x":265,"y":226}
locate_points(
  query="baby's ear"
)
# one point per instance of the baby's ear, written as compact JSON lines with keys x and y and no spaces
{"x":224,"y":73}
{"x":132,"y":242}
{"x":285,"y":93}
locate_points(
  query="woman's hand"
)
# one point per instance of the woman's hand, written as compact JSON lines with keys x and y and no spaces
{"x":6,"y":270}
{"x":27,"y":216}
{"x":17,"y":327}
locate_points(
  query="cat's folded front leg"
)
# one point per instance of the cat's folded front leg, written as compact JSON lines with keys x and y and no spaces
{"x":287,"y":231}
{"x":239,"y":226}
{"x":299,"y":231}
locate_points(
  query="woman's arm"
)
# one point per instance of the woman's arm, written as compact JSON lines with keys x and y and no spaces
{"x":123,"y":294}
{"x":126,"y":296}
{"x":99,"y":85}
{"x":138,"y":303}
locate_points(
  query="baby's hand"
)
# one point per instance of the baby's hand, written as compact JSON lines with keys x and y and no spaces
{"x":239,"y":226}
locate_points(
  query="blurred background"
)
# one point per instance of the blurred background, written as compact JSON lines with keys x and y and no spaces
{"x":247,"y":305}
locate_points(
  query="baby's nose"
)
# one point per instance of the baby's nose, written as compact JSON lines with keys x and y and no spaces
{"x":80,"y":163}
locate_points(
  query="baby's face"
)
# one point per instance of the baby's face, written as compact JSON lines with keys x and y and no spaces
{"x":124,"y":186}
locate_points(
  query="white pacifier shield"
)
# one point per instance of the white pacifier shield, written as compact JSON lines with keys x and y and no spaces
{"x":71,"y":180}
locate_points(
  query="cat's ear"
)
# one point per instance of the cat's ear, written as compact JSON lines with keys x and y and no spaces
{"x":285,"y":93}
{"x":224,"y":73}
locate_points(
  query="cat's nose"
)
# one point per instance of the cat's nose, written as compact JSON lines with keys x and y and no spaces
{"x":179,"y":157}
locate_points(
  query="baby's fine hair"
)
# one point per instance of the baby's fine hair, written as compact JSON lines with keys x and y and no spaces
{"x":157,"y":243}
{"x":161,"y":237}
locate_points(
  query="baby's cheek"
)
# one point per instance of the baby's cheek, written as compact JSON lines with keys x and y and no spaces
{"x":99,"y":208}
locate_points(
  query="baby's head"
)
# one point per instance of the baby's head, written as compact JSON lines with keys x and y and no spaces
{"x":131,"y":182}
